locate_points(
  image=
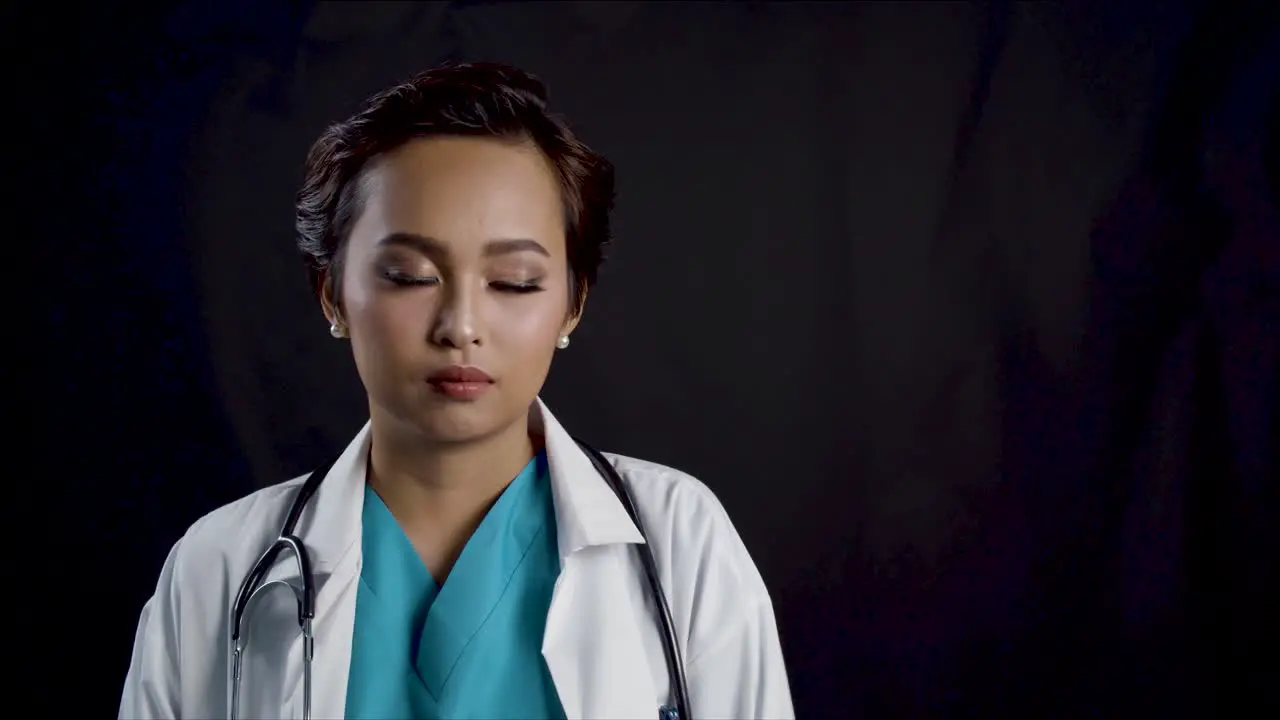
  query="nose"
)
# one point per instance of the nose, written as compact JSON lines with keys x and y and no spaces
{"x":455,"y":322}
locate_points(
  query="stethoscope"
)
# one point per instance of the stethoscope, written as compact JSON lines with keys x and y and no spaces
{"x":306,"y":595}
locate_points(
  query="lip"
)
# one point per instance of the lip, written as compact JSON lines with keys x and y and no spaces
{"x":459,"y":374}
{"x":460,"y":383}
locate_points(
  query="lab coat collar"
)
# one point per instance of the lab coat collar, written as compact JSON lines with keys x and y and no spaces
{"x":334,"y":525}
{"x":587,"y":511}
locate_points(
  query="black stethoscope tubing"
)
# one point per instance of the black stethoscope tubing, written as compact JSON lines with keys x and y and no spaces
{"x":307,"y":596}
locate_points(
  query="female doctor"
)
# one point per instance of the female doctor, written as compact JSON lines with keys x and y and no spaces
{"x":468,"y":559}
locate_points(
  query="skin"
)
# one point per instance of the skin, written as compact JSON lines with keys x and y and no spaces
{"x":450,"y":231}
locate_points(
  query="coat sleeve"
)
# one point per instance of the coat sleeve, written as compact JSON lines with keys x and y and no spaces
{"x":151,"y":688}
{"x":743,"y":676}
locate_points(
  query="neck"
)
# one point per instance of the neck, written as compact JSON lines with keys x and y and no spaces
{"x":444,"y":483}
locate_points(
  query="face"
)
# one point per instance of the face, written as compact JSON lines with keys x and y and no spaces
{"x":455,"y":286}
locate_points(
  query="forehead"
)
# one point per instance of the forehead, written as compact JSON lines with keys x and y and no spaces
{"x":462,"y":191}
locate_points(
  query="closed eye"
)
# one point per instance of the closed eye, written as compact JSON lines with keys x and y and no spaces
{"x":514,"y":287}
{"x":405,"y":279}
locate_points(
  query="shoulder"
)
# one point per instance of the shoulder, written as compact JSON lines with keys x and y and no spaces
{"x":189,"y":608}
{"x":230,"y":537}
{"x":688,"y":529}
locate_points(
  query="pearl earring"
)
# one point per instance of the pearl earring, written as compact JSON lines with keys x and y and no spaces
{"x":336,"y":331}
{"x":563,"y":342}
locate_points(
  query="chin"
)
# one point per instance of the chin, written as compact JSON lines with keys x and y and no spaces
{"x":435,"y":419}
{"x":458,"y":422}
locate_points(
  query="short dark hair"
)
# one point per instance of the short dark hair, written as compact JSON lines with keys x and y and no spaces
{"x":474,"y":99}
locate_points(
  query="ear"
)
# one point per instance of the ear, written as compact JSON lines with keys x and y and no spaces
{"x":328,"y":301}
{"x":575,"y":313}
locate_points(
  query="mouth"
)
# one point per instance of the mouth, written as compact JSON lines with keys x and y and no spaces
{"x":460,"y":383}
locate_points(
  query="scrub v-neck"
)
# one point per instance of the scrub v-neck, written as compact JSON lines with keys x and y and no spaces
{"x":470,"y":648}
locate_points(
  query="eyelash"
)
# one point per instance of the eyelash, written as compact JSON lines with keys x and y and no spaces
{"x":403,"y":280}
{"x":518,"y":288}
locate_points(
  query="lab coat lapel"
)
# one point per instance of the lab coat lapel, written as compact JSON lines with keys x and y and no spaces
{"x":331,"y":532}
{"x":332,"y":629}
{"x":592,"y":645}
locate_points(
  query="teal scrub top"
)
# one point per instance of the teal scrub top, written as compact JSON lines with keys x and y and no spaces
{"x":471,"y":648}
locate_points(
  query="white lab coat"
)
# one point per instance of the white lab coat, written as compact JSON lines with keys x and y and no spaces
{"x":602,"y":642}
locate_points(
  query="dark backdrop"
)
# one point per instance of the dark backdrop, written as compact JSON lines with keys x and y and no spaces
{"x":966,"y":311}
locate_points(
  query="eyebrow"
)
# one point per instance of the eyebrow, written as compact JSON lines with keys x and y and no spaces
{"x":431,"y":246}
{"x":506,"y":246}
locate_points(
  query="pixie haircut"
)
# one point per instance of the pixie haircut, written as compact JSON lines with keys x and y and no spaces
{"x":474,"y":100}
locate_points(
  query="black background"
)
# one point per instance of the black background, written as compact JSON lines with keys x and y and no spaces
{"x":966,"y":311}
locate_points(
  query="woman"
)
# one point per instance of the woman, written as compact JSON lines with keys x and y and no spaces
{"x":469,"y":559}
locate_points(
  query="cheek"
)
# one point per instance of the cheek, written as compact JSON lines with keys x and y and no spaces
{"x":532,"y":322}
{"x":385,"y":318}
